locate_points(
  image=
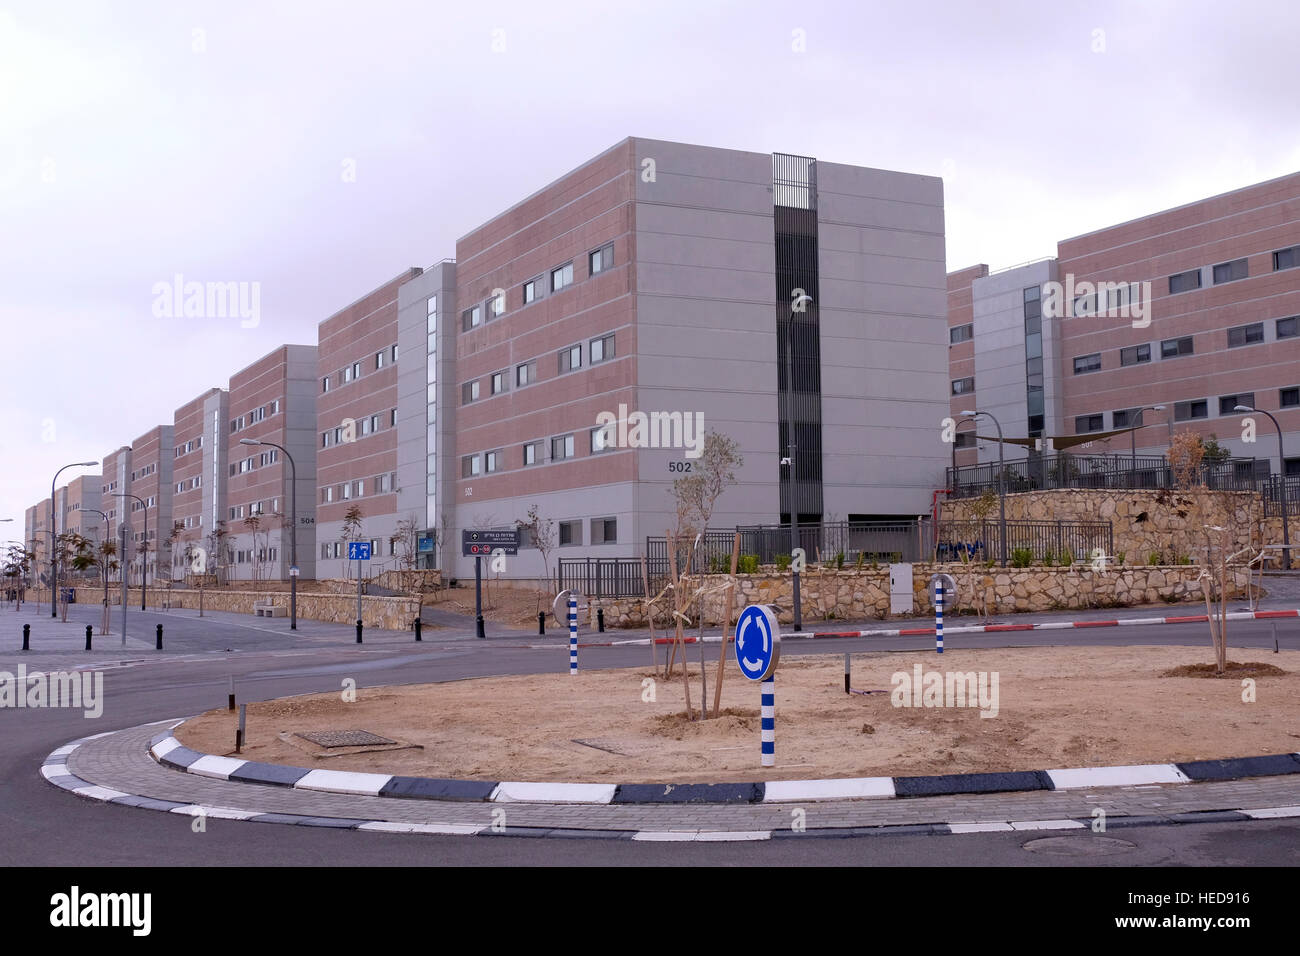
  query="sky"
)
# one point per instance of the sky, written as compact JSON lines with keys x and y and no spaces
{"x":317,"y":149}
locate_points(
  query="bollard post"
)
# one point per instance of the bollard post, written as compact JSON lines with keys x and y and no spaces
{"x":231,"y":704}
{"x":239,"y":734}
{"x":600,"y":620}
{"x":418,"y":624}
{"x":158,"y":640}
{"x":541,"y":623}
{"x":573,"y":635}
{"x":768,"y":721}
{"x":89,"y":631}
{"x":27,"y":633}
{"x":938,"y":617}
{"x":846,"y":673}
{"x":358,"y":630}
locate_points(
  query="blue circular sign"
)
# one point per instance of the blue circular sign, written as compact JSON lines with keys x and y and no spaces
{"x":758,"y":642}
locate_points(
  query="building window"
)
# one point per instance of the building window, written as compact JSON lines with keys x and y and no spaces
{"x":600,"y":259}
{"x":345,"y":491}
{"x":496,"y":306}
{"x":379,"y":359}
{"x":1087,"y":363}
{"x":532,"y":453}
{"x":359,"y":488}
{"x":471,"y":318}
{"x":392,"y":418}
{"x":257,"y":415}
{"x":469,"y":392}
{"x":1246,"y":335}
{"x":602,"y":439}
{"x":1286,"y":328}
{"x":469,"y":466}
{"x":492,"y":462}
{"x":1135,"y":354}
{"x":570,"y":359}
{"x":498,"y":382}
{"x":366,"y":428}
{"x":526,"y":373}
{"x":604,"y":530}
{"x":561,"y":447}
{"x":1185,"y":281}
{"x":1122,"y":418}
{"x":1172,"y":348}
{"x":1288,"y":397}
{"x":561,"y":277}
{"x":961,"y":333}
{"x":570,"y":533}
{"x":530,"y":290}
{"x":1088,"y":423}
{"x":325,"y":384}
{"x":1230,"y":271}
{"x":602,"y":349}
{"x":1286,"y":258}
{"x":964,"y":440}
{"x":1085,"y":305}
{"x":961,"y":386}
{"x":1186,"y":411}
{"x":1228,"y":403}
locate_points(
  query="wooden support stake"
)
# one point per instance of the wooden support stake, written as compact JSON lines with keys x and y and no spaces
{"x":649,"y":614}
{"x":679,"y":638}
{"x":726,"y":623}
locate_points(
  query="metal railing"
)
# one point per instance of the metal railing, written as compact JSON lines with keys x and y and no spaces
{"x":1064,"y":470}
{"x":601,"y":577}
{"x":1279,"y":489}
{"x":1066,"y":542}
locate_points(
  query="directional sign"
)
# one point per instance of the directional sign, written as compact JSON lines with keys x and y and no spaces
{"x":358,"y":550}
{"x":479,"y":543}
{"x":293,"y":571}
{"x":758,"y":642}
{"x":424,"y":544}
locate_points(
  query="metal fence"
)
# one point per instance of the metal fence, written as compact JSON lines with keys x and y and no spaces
{"x":1279,"y":490}
{"x":1064,"y":470}
{"x":600,"y":577}
{"x":1063,"y":541}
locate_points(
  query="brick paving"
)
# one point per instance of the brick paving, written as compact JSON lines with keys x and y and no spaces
{"x":120,"y":761}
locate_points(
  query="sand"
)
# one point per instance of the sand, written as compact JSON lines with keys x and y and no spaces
{"x":1057,"y":707}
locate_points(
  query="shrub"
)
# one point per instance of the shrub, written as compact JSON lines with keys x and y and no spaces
{"x":748,"y":564}
{"x":1184,"y":559}
{"x":783,"y":563}
{"x":1153,"y":558}
{"x":1067,"y":558}
{"x":1021,"y":557}
{"x":862,"y":556}
{"x":875,"y":565}
{"x":1119,"y":558}
{"x":989,"y":563}
{"x":839,"y":561}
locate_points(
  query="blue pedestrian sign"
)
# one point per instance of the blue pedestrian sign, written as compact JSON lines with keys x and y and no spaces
{"x":358,"y":550}
{"x":758,"y":642}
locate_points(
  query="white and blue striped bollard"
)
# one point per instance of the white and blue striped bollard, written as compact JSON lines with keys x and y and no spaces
{"x":573,"y":635}
{"x":768,"y":689}
{"x":938,"y":616}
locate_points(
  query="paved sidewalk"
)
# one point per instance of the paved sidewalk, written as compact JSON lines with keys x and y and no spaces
{"x":119,"y":769}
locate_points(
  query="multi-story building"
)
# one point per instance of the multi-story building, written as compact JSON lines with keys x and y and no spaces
{"x":152,"y":457}
{"x":199,"y":433}
{"x":1195,"y":308}
{"x":272,"y":401}
{"x":81,"y":492}
{"x":660,"y":279}
{"x":356,"y":421}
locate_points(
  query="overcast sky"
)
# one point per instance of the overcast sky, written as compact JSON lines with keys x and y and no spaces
{"x":320,"y":148}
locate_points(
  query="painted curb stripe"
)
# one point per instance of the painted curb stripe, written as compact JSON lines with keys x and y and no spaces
{"x":1048,"y":825}
{"x":1237,"y":767}
{"x":689,"y":793}
{"x":449,"y":829}
{"x":1096,"y":623}
{"x":1273,"y":813}
{"x":163,"y":747}
{"x":855,"y":788}
{"x":216,"y":813}
{"x":1137,"y":775}
{"x":978,"y":827}
{"x":522,"y":792}
{"x":210,"y":765}
{"x":427,"y":788}
{"x":971,"y":783}
{"x":344,"y":781}
{"x":271,"y":774}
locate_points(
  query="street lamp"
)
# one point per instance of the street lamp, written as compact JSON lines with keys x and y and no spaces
{"x":293,"y":529}
{"x":1002,"y":491}
{"x":54,"y":541}
{"x":1281,"y":464}
{"x":960,"y":422}
{"x":104,"y":567}
{"x":144,"y":561}
{"x":797,"y":610}
{"x":1137,"y":423}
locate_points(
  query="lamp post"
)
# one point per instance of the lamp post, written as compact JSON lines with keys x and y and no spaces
{"x":54,"y":541}
{"x":797,"y":610}
{"x":144,"y":562}
{"x":1137,"y":423}
{"x":293,"y":528}
{"x":1002,"y":491}
{"x":103,"y":568}
{"x":1281,"y":465}
{"x":960,"y":422}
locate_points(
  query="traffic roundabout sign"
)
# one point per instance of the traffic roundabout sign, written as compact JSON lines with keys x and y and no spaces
{"x":758,"y":642}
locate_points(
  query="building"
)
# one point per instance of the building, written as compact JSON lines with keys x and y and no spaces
{"x":660,"y":279}
{"x":1195,"y":308}
{"x":199,"y":462}
{"x":356,"y":420}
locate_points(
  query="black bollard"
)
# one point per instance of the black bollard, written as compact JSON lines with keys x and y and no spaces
{"x":89,"y":631}
{"x":541,"y":623}
{"x":417,"y":628}
{"x":358,"y":630}
{"x":600,"y":620}
{"x":158,"y":639}
{"x":27,"y":633}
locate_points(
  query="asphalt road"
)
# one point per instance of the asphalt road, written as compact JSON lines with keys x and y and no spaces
{"x":40,"y":825}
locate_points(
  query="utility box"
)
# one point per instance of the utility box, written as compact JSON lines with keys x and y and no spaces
{"x":900,"y":589}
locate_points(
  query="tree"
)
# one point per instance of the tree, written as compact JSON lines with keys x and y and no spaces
{"x":541,"y":532}
{"x":695,"y":494}
{"x":1214,"y":452}
{"x":253,"y":523}
{"x":178,"y":528}
{"x":98,"y":556}
{"x":217,"y":549}
{"x":15,"y":566}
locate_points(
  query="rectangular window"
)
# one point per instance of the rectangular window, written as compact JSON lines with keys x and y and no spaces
{"x":1135,"y":354}
{"x":532,"y":453}
{"x":469,"y":392}
{"x":600,"y":259}
{"x":961,"y":333}
{"x":1172,"y":348}
{"x":561,"y":447}
{"x":1246,"y":335}
{"x":257,"y":415}
{"x":469,"y":466}
{"x":1087,"y":423}
{"x":964,"y":439}
{"x":570,"y":359}
{"x":495,"y":306}
{"x":1122,"y":418}
{"x":1288,"y":397}
{"x":570,"y":533}
{"x":1085,"y":305}
{"x":367,"y":426}
{"x":604,"y":530}
{"x":526,"y":373}
{"x":275,"y":407}
{"x":1286,"y":328}
{"x":1230,"y":271}
{"x":359,"y":488}
{"x":345,"y":491}
{"x":392,"y":418}
{"x":961,"y":386}
{"x":1185,"y":411}
{"x":561,"y":277}
{"x":471,"y":318}
{"x":379,"y":359}
{"x":498,"y":382}
{"x":602,"y":439}
{"x":1228,"y":403}
{"x":602,"y":349}
{"x":1087,"y":363}
{"x":392,"y":354}
{"x":1287,"y":258}
{"x":492,"y":462}
{"x":530,"y":290}
{"x":325,"y":384}
{"x":1185,"y":281}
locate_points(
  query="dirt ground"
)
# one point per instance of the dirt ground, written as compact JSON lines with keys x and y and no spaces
{"x":1057,"y":708}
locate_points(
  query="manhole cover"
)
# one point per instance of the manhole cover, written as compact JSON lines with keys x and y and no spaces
{"x":1079,"y":846}
{"x":345,"y":738}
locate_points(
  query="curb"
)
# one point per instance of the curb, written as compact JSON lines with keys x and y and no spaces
{"x":170,"y":752}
